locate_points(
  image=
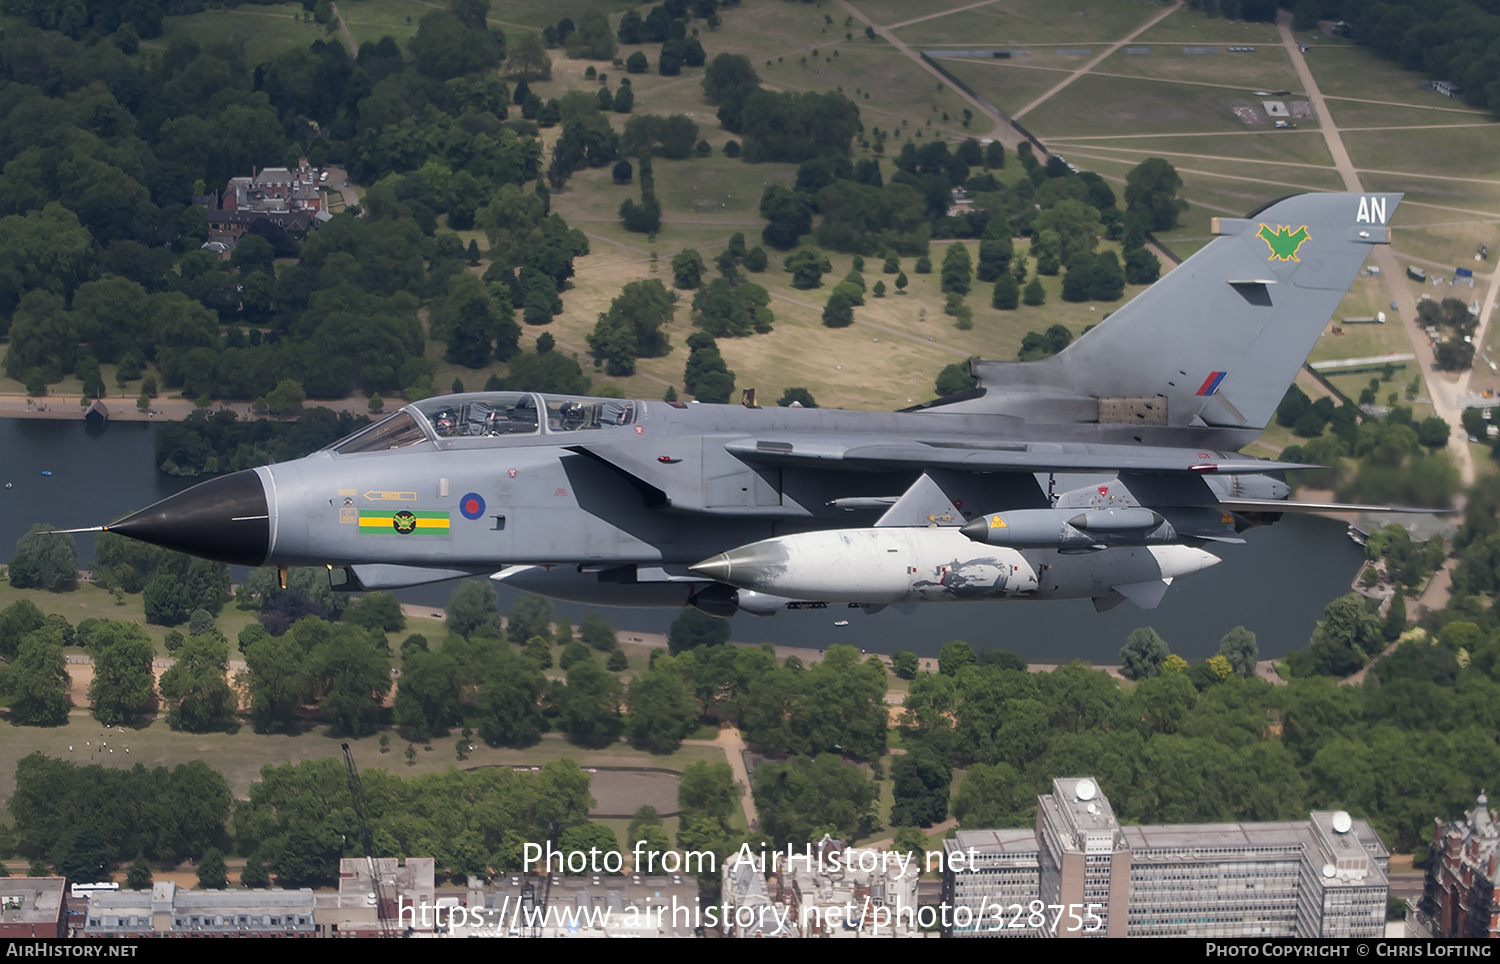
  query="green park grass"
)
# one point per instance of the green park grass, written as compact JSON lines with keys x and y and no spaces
{"x":885,"y":13}
{"x":1447,"y":245}
{"x":536,"y":14}
{"x":1275,"y":179}
{"x":241,"y":755}
{"x":1367,"y":297}
{"x":1269,"y":68}
{"x":1070,"y":22}
{"x":1095,"y":106}
{"x":1359,"y":73}
{"x":1007,"y":84}
{"x":370,"y":20}
{"x":1188,"y":26}
{"x":899,"y":88}
{"x":1437,"y":152}
{"x":1437,"y":199}
{"x":1349,"y":114}
{"x":1268,"y":145}
{"x":259,"y":32}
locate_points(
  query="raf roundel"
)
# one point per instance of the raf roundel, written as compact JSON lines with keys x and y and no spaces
{"x":472,"y":505}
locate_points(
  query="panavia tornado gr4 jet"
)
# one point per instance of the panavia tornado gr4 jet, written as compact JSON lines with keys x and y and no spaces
{"x":1098,"y":473}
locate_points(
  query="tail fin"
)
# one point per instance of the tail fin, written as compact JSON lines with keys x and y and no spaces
{"x":1218,"y":340}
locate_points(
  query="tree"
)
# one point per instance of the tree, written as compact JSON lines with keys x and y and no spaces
{"x":379,"y":611}
{"x":1007,"y":294}
{"x":708,"y":790}
{"x":954,"y":378}
{"x":1068,"y":229}
{"x":798,"y":396}
{"x":727,"y":77}
{"x":1433,"y":432}
{"x":597,"y":632}
{"x":1141,"y":266}
{"x":195,"y":688}
{"x":727,"y":310}
{"x":839,"y":312}
{"x":803,"y":798}
{"x":589,"y":705}
{"x":633,"y":326}
{"x":309,"y":856}
{"x":919,"y":780}
{"x":592,"y":40}
{"x":123,"y":687}
{"x":471,"y":606}
{"x":351,"y":672}
{"x":1395,"y":617}
{"x":529,"y":618}
{"x":212,"y":872}
{"x":528,"y":58}
{"x":254,"y":874}
{"x":507,"y":707}
{"x":954,"y":656}
{"x":958,"y":269}
{"x":1346,"y":637}
{"x":138,"y":877}
{"x":662,"y":709}
{"x":993,"y":796}
{"x":1238,"y":646}
{"x":695,"y":628}
{"x":476,"y":327}
{"x":705,"y":375}
{"x":687,"y":269}
{"x":451,"y":44}
{"x":1151,"y":192}
{"x":36,"y":682}
{"x":1034,"y":294}
{"x":790,"y":216}
{"x":427,"y":698}
{"x":905,"y":664}
{"x":286,"y":398}
{"x":45,"y":561}
{"x":83,"y":855}
{"x":807,"y":266}
{"x":1143,"y":654}
{"x":16,"y":621}
{"x":277,"y":682}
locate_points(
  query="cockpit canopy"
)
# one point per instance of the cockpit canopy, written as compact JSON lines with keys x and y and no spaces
{"x":484,"y":416}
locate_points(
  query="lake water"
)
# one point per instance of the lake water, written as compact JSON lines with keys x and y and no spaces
{"x":1277,"y":584}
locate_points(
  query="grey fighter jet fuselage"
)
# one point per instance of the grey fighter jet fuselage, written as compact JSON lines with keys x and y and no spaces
{"x":1100,"y":473}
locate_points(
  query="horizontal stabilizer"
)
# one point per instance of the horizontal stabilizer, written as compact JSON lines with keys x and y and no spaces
{"x":1147,"y":595}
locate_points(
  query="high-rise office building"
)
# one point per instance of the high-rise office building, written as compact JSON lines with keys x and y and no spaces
{"x":1081,"y":873}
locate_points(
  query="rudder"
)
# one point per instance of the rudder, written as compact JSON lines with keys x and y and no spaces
{"x":1218,"y":340}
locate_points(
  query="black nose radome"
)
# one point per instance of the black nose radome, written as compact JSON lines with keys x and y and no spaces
{"x":225,"y":519}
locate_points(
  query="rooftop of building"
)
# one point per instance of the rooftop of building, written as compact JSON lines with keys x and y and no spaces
{"x":31,"y":900}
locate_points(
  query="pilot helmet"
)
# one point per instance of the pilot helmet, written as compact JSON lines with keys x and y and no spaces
{"x":443,"y":420}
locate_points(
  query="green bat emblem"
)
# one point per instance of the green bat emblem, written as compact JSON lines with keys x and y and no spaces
{"x":1283,"y":242}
